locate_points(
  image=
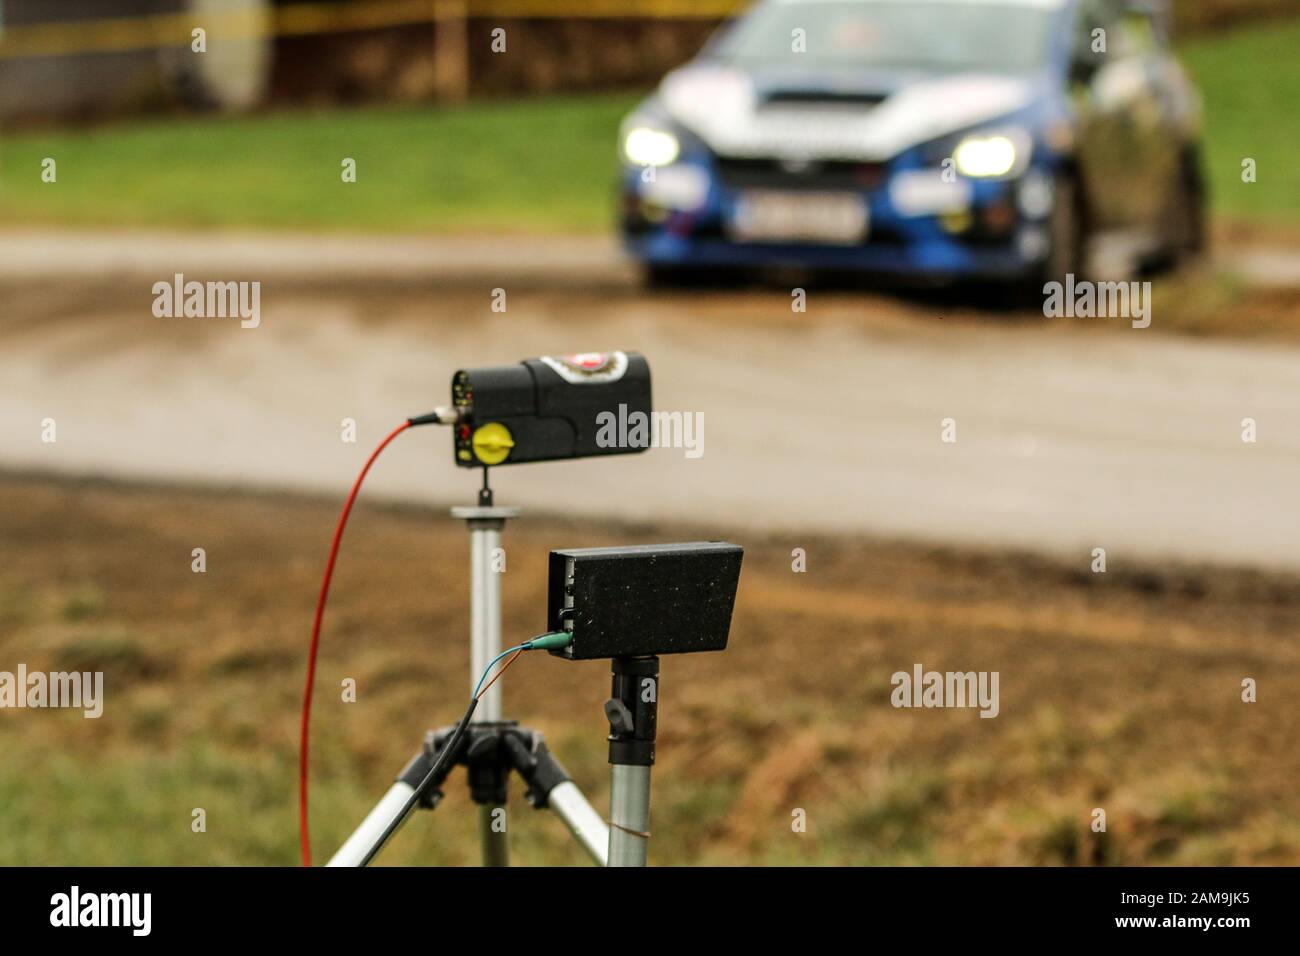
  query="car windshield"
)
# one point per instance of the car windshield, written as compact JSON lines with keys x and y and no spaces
{"x":941,"y":36}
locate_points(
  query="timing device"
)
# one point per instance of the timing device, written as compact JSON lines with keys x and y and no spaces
{"x":643,"y":600}
{"x":627,"y":605}
{"x":547,"y":408}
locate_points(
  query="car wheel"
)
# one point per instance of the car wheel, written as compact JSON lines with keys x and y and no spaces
{"x":1183,"y":222}
{"x":1067,"y":238}
{"x":1181,"y":230}
{"x":1065,"y":232}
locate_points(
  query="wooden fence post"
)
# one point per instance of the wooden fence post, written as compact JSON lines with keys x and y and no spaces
{"x":451,"y":49}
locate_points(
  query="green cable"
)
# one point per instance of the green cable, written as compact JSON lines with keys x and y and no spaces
{"x":546,"y":642}
{"x":551,"y":642}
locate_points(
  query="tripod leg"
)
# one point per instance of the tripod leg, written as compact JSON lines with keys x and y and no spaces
{"x":359,"y":846}
{"x":549,"y":787}
{"x":394,"y":807}
{"x":582,"y":820}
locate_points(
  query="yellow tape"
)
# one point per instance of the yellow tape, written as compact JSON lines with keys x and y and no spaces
{"x":608,"y":9}
{"x":175,"y":29}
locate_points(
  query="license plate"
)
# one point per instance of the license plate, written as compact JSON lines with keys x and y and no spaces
{"x":778,"y":216}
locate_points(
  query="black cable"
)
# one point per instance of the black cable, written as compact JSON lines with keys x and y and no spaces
{"x":549,"y":641}
{"x":446,"y":754}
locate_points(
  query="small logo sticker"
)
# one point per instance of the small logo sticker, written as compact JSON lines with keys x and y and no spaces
{"x":588,"y":368}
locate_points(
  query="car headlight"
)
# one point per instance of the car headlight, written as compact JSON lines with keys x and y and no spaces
{"x":989,"y":156}
{"x":644,"y":146}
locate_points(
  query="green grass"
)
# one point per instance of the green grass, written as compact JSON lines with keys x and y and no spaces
{"x":541,"y":164}
{"x":1101,"y":707}
{"x":1250,"y":84}
{"x":525,"y":165}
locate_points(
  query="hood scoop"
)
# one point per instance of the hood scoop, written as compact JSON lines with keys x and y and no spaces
{"x":822,"y":99}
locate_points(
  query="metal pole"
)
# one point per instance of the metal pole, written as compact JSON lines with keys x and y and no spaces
{"x":485,"y":611}
{"x":494,"y":842}
{"x":629,"y":814}
{"x":485,"y":524}
{"x":633,"y":714}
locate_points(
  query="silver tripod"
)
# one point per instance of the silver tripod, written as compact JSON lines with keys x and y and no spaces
{"x":495,"y":747}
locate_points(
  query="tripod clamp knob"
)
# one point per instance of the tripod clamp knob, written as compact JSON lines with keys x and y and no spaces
{"x":619,"y":717}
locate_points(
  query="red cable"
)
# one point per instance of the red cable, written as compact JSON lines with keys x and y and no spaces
{"x":315,"y":642}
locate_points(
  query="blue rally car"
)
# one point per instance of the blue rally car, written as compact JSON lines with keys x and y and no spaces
{"x":948,"y":139}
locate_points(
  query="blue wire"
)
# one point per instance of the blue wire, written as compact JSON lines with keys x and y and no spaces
{"x":487,"y":670}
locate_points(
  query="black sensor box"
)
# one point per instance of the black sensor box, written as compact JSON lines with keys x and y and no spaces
{"x":554,"y":407}
{"x":645,"y":599}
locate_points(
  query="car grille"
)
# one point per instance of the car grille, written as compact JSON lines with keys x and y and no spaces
{"x":814,"y":174}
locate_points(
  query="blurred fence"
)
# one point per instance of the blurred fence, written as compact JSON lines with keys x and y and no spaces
{"x":68,"y":57}
{"x":244,"y":20}
{"x":115,"y":29}
{"x":71,"y":57}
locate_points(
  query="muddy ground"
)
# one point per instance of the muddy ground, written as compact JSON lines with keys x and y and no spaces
{"x":1120,"y":691}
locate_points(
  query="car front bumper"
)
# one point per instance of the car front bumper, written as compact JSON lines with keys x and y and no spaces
{"x":987,"y":229}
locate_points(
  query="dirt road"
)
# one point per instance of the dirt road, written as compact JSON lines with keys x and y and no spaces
{"x":1069,"y":437}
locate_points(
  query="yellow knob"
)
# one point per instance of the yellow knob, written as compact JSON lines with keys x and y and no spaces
{"x":492,"y":443}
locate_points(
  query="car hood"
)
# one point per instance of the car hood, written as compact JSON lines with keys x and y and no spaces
{"x":869,"y":117}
